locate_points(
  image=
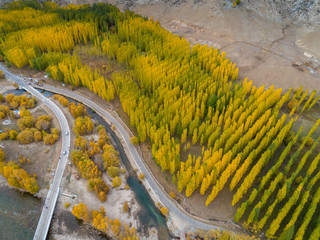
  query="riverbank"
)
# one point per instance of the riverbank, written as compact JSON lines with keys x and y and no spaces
{"x":215,"y":216}
{"x":35,"y":151}
{"x":176,"y":223}
{"x":116,"y":198}
{"x":19,"y":210}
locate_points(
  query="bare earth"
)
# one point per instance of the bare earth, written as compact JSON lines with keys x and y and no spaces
{"x":40,"y":160}
{"x":71,"y":186}
{"x":265,"y":51}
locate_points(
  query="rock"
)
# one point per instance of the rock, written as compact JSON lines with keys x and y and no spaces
{"x":290,"y":11}
{"x":302,"y":12}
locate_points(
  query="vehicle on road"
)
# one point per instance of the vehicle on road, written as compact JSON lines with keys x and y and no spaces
{"x":67,"y":133}
{"x":64,"y":152}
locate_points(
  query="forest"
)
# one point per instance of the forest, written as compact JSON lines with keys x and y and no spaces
{"x":181,"y":97}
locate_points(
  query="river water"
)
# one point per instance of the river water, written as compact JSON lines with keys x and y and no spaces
{"x":20,"y":212}
{"x":149,"y":215}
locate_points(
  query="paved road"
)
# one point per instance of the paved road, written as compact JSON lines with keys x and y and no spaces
{"x":52,"y":196}
{"x":175,"y":209}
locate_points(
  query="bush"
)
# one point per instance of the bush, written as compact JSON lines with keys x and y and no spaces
{"x":4,"y":136}
{"x":67,"y":204}
{"x":164,"y":211}
{"x":309,"y":140}
{"x":110,"y":156}
{"x":116,"y":182}
{"x":2,"y":75}
{"x":43,"y":122}
{"x":289,"y":137}
{"x":293,"y":103}
{"x":83,"y":125}
{"x":172,"y":194}
{"x":134,"y":140}
{"x":125,"y":207}
{"x":13,"y":134}
{"x":141,"y":176}
{"x":4,"y":110}
{"x":99,"y":127}
{"x":113,"y":171}
{"x":25,"y":136}
{"x":62,"y":100}
{"x":26,"y":122}
{"x":299,"y":180}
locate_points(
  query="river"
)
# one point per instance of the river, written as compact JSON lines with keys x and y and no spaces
{"x":20,"y":212}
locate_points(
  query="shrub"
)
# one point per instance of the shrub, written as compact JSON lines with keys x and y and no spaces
{"x":134,"y":140}
{"x":83,"y":125}
{"x":164,"y":211}
{"x":293,"y":103}
{"x":4,"y":110}
{"x":141,"y":176}
{"x":289,"y":137}
{"x":4,"y":136}
{"x":309,"y":140}
{"x":25,"y":136}
{"x":125,"y":207}
{"x":67,"y":204}
{"x":116,"y":182}
{"x":13,"y":134}
{"x":299,"y":180}
{"x":172,"y":194}
{"x":2,"y":75}
{"x":113,"y":171}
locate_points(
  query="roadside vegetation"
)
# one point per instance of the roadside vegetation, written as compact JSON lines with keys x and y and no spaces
{"x":30,"y":128}
{"x":25,"y":129}
{"x":178,"y":98}
{"x":92,"y":144}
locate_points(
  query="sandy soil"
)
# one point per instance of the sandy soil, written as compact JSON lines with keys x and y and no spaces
{"x":40,"y":160}
{"x":265,"y":51}
{"x":72,"y":187}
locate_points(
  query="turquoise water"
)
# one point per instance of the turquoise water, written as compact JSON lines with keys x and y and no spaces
{"x":149,"y":214}
{"x":19,"y":214}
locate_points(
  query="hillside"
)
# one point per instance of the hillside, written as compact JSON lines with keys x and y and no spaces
{"x":224,"y":147}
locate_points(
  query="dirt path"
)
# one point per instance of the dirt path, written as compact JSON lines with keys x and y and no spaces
{"x":265,"y":51}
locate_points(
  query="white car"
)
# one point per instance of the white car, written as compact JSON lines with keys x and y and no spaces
{"x":67,"y":133}
{"x":64,"y":152}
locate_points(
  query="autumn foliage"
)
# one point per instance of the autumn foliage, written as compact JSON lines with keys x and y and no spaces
{"x":180,"y":98}
{"x":100,"y":221}
{"x":16,"y":176}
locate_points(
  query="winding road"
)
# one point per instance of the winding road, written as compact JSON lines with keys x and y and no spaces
{"x":150,"y":180}
{"x":52,"y":196}
{"x":175,"y":209}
